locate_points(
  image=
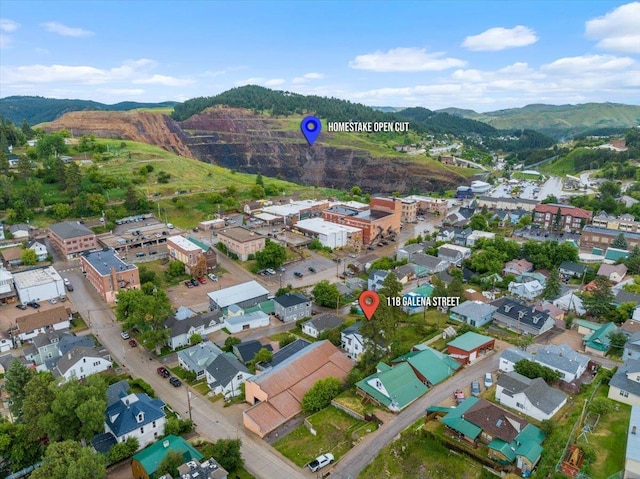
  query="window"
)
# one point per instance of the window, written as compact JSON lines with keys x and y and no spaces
{"x":624,"y":393}
{"x":519,"y":406}
{"x":154,"y":424}
{"x":142,"y":430}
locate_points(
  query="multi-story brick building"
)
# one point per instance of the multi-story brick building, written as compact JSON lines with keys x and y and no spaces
{"x":426,"y":204}
{"x":189,"y":251}
{"x":561,"y":217}
{"x":108,"y":273}
{"x":72,"y":238}
{"x":593,"y":237}
{"x":381,"y":219}
{"x":409,"y":210}
{"x":241,"y":241}
{"x":624,"y":222}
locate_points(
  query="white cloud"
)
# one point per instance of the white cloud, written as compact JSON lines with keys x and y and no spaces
{"x":499,"y":38}
{"x":7,"y":25}
{"x":274,"y":82}
{"x":163,"y":80}
{"x":306,"y":77}
{"x":589,"y":64}
{"x":618,"y":30}
{"x":65,"y":31}
{"x":405,"y":60}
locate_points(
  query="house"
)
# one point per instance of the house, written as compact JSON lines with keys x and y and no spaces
{"x":108,"y":274}
{"x":407,"y":251}
{"x":183,"y":327}
{"x":46,"y":348}
{"x":20,"y":231}
{"x":39,"y":248}
{"x":624,"y":385}
{"x":416,"y":303}
{"x":276,"y":394}
{"x":71,"y":238}
{"x":561,"y":217}
{"x":446,"y":234}
{"x":430,"y":366}
{"x":632,"y":456}
{"x":461,"y":235}
{"x":322,"y":322}
{"x":563,"y":359}
{"x":520,"y":318}
{"x":632,"y":347}
{"x":283,"y":354}
{"x":598,"y":342}
{"x":404,"y":273}
{"x":292,"y":307}
{"x":244,"y":295}
{"x":226,"y":374}
{"x":375,"y":279}
{"x":352,"y":342}
{"x":476,"y":235}
{"x":8,"y":293}
{"x":613,"y":272}
{"x":631,"y":326}
{"x":6,"y":342}
{"x":30,"y":325}
{"x":509,"y":438}
{"x":570,"y":302}
{"x":454,"y":254}
{"x":81,"y":361}
{"x":145,"y":463}
{"x":431,"y":264}
{"x":517,"y":267}
{"x":247,"y":350}
{"x":198,"y":357}
{"x":469,"y":346}
{"x":241,"y":241}
{"x":532,"y":397}
{"x":244,"y":322}
{"x":189,"y":252}
{"x":573,"y":270}
{"x":136,"y":415}
{"x":526,"y":290}
{"x":12,"y":256}
{"x":623,"y":296}
{"x":509,"y":358}
{"x":393,"y":387}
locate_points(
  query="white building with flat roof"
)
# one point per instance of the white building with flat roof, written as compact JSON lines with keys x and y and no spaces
{"x":244,"y":295}
{"x":39,"y":284}
{"x":330,"y":234}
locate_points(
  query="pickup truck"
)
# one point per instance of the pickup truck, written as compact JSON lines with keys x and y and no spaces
{"x":321,"y":461}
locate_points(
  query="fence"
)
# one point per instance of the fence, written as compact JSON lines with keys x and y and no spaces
{"x":345,"y":409}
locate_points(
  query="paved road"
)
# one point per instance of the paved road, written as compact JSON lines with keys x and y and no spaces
{"x":352,"y":464}
{"x":260,"y":460}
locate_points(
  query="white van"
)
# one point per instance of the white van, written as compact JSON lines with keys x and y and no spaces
{"x":170,"y":226}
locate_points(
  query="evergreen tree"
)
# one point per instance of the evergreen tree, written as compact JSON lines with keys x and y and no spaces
{"x":598,"y":301}
{"x":619,"y":242}
{"x":259,"y":180}
{"x":552,"y":288}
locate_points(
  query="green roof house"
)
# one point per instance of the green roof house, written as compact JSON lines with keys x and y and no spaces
{"x":145,"y":463}
{"x":598,"y":342}
{"x":430,"y":366}
{"x":394,"y":387}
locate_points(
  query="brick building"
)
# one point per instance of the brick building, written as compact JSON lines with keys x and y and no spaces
{"x":593,"y":237}
{"x":565,"y":218}
{"x":108,"y":273}
{"x":189,"y":251}
{"x":71,"y":238}
{"x":241,"y":241}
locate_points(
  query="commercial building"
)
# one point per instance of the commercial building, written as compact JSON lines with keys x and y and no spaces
{"x":108,"y":273}
{"x":561,"y":217}
{"x":41,"y":284}
{"x":294,"y":211}
{"x":211,"y":225}
{"x":189,"y":252}
{"x":331,"y":234}
{"x":593,"y":237}
{"x":241,"y":241}
{"x":426,"y":204}
{"x":8,"y":293}
{"x":244,"y":295}
{"x":623,"y":223}
{"x":409,"y":210}
{"x":72,"y":238}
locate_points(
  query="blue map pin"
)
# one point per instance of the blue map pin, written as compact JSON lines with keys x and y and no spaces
{"x":311,"y":128}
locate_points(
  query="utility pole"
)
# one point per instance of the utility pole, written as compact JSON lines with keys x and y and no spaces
{"x":189,"y":402}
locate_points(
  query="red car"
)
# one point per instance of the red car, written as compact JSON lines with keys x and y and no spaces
{"x":133,"y":343}
{"x":202,"y":280}
{"x":164,"y":372}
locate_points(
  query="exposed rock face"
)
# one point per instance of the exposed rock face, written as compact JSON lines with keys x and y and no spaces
{"x":241,"y":140}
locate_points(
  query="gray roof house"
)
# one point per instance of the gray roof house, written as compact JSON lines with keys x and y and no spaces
{"x":521,"y":318}
{"x":284,"y":354}
{"x":510,"y":357}
{"x":473,"y":313}
{"x":320,"y":323}
{"x":575,"y":270}
{"x":532,"y":397}
{"x":81,"y":362}
{"x":244,"y":295}
{"x":19,"y":230}
{"x":247,"y":350}
{"x":431,"y":264}
{"x":198,"y":357}
{"x":225,"y":375}
{"x":453,"y":253}
{"x":183,"y":326}
{"x":407,"y":251}
{"x":562,"y":358}
{"x":292,"y":307}
{"x":624,"y":385}
{"x":375,"y":279}
{"x":632,"y":347}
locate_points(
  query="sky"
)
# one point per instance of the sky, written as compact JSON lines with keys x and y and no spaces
{"x":472,"y":54}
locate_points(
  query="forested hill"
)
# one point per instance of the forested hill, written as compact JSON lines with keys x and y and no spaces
{"x":279,"y":103}
{"x":37,"y":109}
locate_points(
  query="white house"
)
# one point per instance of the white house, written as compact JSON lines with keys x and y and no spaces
{"x":28,"y":326}
{"x":563,"y":359}
{"x":476,"y":235}
{"x":185,"y":323}
{"x":351,"y":341}
{"x":322,"y":322}
{"x":624,"y":385}
{"x":226,"y":374}
{"x":81,"y":362}
{"x":136,"y":415}
{"x":39,"y":248}
{"x":570,"y":302}
{"x":532,"y":397}
{"x":243,"y":322}
{"x":375,"y":279}
{"x":510,"y":357}
{"x":632,"y":347}
{"x":455,"y":254}
{"x":527,"y":290}
{"x":197,"y":358}
{"x":613,"y":272}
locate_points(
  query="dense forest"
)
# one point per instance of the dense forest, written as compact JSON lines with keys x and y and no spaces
{"x":37,"y":109}
{"x":283,"y":103}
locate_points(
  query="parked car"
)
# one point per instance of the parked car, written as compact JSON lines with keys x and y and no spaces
{"x":212,"y":277}
{"x":269,"y":271}
{"x":321,"y":461}
{"x":132,"y":343}
{"x":53,"y":300}
{"x":164,"y":372}
{"x":188,"y":284}
{"x":298,"y":274}
{"x":312,"y":269}
{"x":488,"y":380}
{"x":202,"y":280}
{"x":475,"y":388}
{"x":175,"y":382}
{"x":33,"y":304}
{"x":124,"y":335}
{"x":67,"y":284}
{"x":21,"y":306}
{"x":194,"y":282}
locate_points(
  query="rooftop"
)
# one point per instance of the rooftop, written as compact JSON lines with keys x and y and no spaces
{"x":633,"y":435}
{"x":105,"y":261}
{"x":36,"y":277}
{"x":474,"y":309}
{"x":70,"y":229}
{"x":183,"y":243}
{"x":470,"y":341}
{"x":291,"y":299}
{"x":151,"y":457}
{"x":237,"y":294}
{"x":240,"y":234}
{"x":320,"y":226}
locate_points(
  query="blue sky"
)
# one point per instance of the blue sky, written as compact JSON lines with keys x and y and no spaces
{"x":468,"y":54}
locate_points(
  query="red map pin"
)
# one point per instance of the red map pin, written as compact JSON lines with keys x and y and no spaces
{"x":369,"y":301}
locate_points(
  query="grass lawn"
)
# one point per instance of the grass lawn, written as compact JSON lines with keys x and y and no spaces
{"x":333,"y":434}
{"x":560,"y":167}
{"x":352,"y":401}
{"x":78,"y":324}
{"x":202,"y":387}
{"x":280,"y":336}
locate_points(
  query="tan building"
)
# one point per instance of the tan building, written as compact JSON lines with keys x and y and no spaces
{"x":624,"y":222}
{"x":189,"y":251}
{"x":427,"y":204}
{"x":409,"y":211}
{"x":241,"y":241}
{"x":72,"y":238}
{"x":108,"y":273}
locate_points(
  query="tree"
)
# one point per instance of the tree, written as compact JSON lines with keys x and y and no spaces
{"x":15,"y":380}
{"x":272,"y":256}
{"x":320,"y":395}
{"x":602,"y":406}
{"x":478,"y":222}
{"x":60,"y":211}
{"x":326,"y":294}
{"x":230,"y":342}
{"x":534,"y":370}
{"x":24,"y":167}
{"x":123,"y":450}
{"x":73,"y":178}
{"x":598,"y":301}
{"x":131,"y":198}
{"x":288,"y":339}
{"x":619,"y":242}
{"x":69,"y":459}
{"x":51,"y":145}
{"x":550,"y":199}
{"x":391,"y":286}
{"x":146,"y":309}
{"x":226,"y":452}
{"x":259,"y":181}
{"x":28,"y":257}
{"x":552,"y":287}
{"x":175,"y":269}
{"x":146,"y":275}
{"x":263,"y":356}
{"x":633,"y":261}
{"x":439,"y":288}
{"x":170,"y":464}
{"x":17,"y":449}
{"x":195,"y":338}
{"x":617,"y":339}
{"x":199,"y":269}
{"x":456,"y":289}
{"x":38,"y":397}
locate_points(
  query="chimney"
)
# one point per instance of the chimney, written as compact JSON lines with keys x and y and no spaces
{"x":69,"y":356}
{"x":165,"y":444}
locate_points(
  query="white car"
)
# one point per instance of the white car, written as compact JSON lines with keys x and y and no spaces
{"x":125,"y":335}
{"x":488,"y":380}
{"x":212,"y":277}
{"x":321,"y":461}
{"x":66,"y":281}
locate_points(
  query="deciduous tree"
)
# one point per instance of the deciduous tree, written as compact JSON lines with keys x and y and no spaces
{"x":69,"y":459}
{"x":15,"y":380}
{"x":320,"y":395}
{"x":28,"y":257}
{"x":552,"y":287}
{"x":326,"y":294}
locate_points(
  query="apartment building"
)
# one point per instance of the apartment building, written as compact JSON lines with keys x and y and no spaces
{"x":108,"y":273}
